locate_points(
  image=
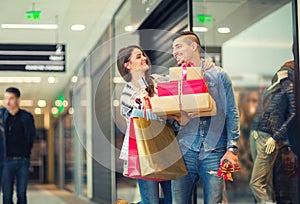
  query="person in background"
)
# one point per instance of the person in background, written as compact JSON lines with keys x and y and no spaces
{"x":2,"y":146}
{"x":205,"y":141}
{"x":19,"y":136}
{"x":277,"y":115}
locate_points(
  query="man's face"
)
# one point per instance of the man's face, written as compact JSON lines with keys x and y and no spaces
{"x":11,"y":101}
{"x":182,"y":50}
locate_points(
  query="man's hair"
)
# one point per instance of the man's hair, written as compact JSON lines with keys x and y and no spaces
{"x":14,"y":91}
{"x":190,"y":35}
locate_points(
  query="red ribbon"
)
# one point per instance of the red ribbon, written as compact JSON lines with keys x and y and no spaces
{"x":226,"y":169}
{"x":184,"y":66}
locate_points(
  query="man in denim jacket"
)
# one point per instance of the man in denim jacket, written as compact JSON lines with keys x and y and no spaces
{"x":205,"y":141}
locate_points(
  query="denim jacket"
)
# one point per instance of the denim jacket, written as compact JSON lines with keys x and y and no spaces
{"x":219,"y":131}
{"x":279,"y":108}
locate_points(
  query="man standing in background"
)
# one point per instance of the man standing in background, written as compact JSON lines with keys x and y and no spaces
{"x":19,"y":135}
{"x":2,"y":146}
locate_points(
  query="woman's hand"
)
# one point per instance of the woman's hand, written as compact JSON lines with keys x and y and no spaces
{"x":207,"y":64}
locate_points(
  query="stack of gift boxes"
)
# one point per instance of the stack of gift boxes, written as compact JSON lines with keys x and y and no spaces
{"x":189,"y":94}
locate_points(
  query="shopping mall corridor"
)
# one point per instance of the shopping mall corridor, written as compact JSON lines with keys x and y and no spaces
{"x":49,"y":194}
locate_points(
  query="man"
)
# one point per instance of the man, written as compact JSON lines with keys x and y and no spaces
{"x":205,"y":141}
{"x":2,"y":145}
{"x":19,"y":136}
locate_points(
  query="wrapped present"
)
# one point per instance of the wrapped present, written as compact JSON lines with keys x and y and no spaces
{"x":166,"y":105}
{"x":226,"y":169}
{"x":175,"y":73}
{"x":193,"y":103}
{"x":187,"y":87}
{"x":202,"y":103}
{"x":168,"y":88}
{"x":194,"y":86}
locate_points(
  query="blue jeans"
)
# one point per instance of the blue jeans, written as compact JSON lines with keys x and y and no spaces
{"x":200,"y":165}
{"x":15,"y":168}
{"x":150,"y":193}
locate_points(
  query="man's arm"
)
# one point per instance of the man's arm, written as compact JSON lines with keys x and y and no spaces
{"x":232,"y":119}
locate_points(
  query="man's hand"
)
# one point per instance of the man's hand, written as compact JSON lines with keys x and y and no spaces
{"x":207,"y":64}
{"x":270,"y":145}
{"x":183,"y":118}
{"x":231,"y":157}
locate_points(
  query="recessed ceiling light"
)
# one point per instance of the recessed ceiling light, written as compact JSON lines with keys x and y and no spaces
{"x":42,"y":103}
{"x":30,"y":26}
{"x":77,"y":27}
{"x":52,"y":80}
{"x":37,"y":111}
{"x":54,"y":110}
{"x":71,"y":111}
{"x":200,"y":29}
{"x":224,"y":30}
{"x":20,"y":79}
{"x":74,"y":79}
{"x":129,"y":28}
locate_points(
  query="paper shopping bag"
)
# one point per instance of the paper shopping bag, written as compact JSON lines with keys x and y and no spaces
{"x":133,"y":164}
{"x":159,"y":153}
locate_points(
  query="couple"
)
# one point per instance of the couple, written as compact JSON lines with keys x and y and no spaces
{"x":205,"y":142}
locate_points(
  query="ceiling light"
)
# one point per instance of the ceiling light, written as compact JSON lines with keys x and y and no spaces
{"x":71,"y":110}
{"x":74,"y":79}
{"x":54,"y":110}
{"x":129,"y":28}
{"x":30,"y":26}
{"x":52,"y":80}
{"x":42,"y":103}
{"x":58,"y":103}
{"x":200,"y":29}
{"x":224,"y":30}
{"x":37,"y":111}
{"x":77,"y":27}
{"x":20,"y":79}
{"x":65,"y":103}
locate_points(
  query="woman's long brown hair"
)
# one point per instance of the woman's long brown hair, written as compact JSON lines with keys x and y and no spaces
{"x":124,"y":57}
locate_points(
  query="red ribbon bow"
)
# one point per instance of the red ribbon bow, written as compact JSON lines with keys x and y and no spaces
{"x":184,"y":66}
{"x":226,"y":169}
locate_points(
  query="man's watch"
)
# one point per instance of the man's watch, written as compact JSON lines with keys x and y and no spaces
{"x":286,"y":149}
{"x":234,"y":150}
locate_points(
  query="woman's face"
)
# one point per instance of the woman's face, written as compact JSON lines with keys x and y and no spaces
{"x":137,"y":61}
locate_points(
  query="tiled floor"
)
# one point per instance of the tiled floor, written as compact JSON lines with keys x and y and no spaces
{"x":49,"y":194}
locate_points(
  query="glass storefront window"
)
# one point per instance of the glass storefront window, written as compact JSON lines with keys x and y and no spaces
{"x":252,"y":48}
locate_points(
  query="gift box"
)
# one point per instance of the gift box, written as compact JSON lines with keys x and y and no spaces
{"x":168,"y":88}
{"x":175,"y":73}
{"x":193,"y":103}
{"x":201,"y":103}
{"x":188,"y":87}
{"x":166,"y":105}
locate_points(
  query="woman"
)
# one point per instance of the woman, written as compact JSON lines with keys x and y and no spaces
{"x":133,"y":64}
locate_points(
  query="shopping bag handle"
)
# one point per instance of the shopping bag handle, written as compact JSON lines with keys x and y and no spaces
{"x":147,"y":101}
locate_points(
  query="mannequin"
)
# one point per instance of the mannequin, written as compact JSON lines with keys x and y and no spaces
{"x":277,"y":113}
{"x":271,"y":143}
